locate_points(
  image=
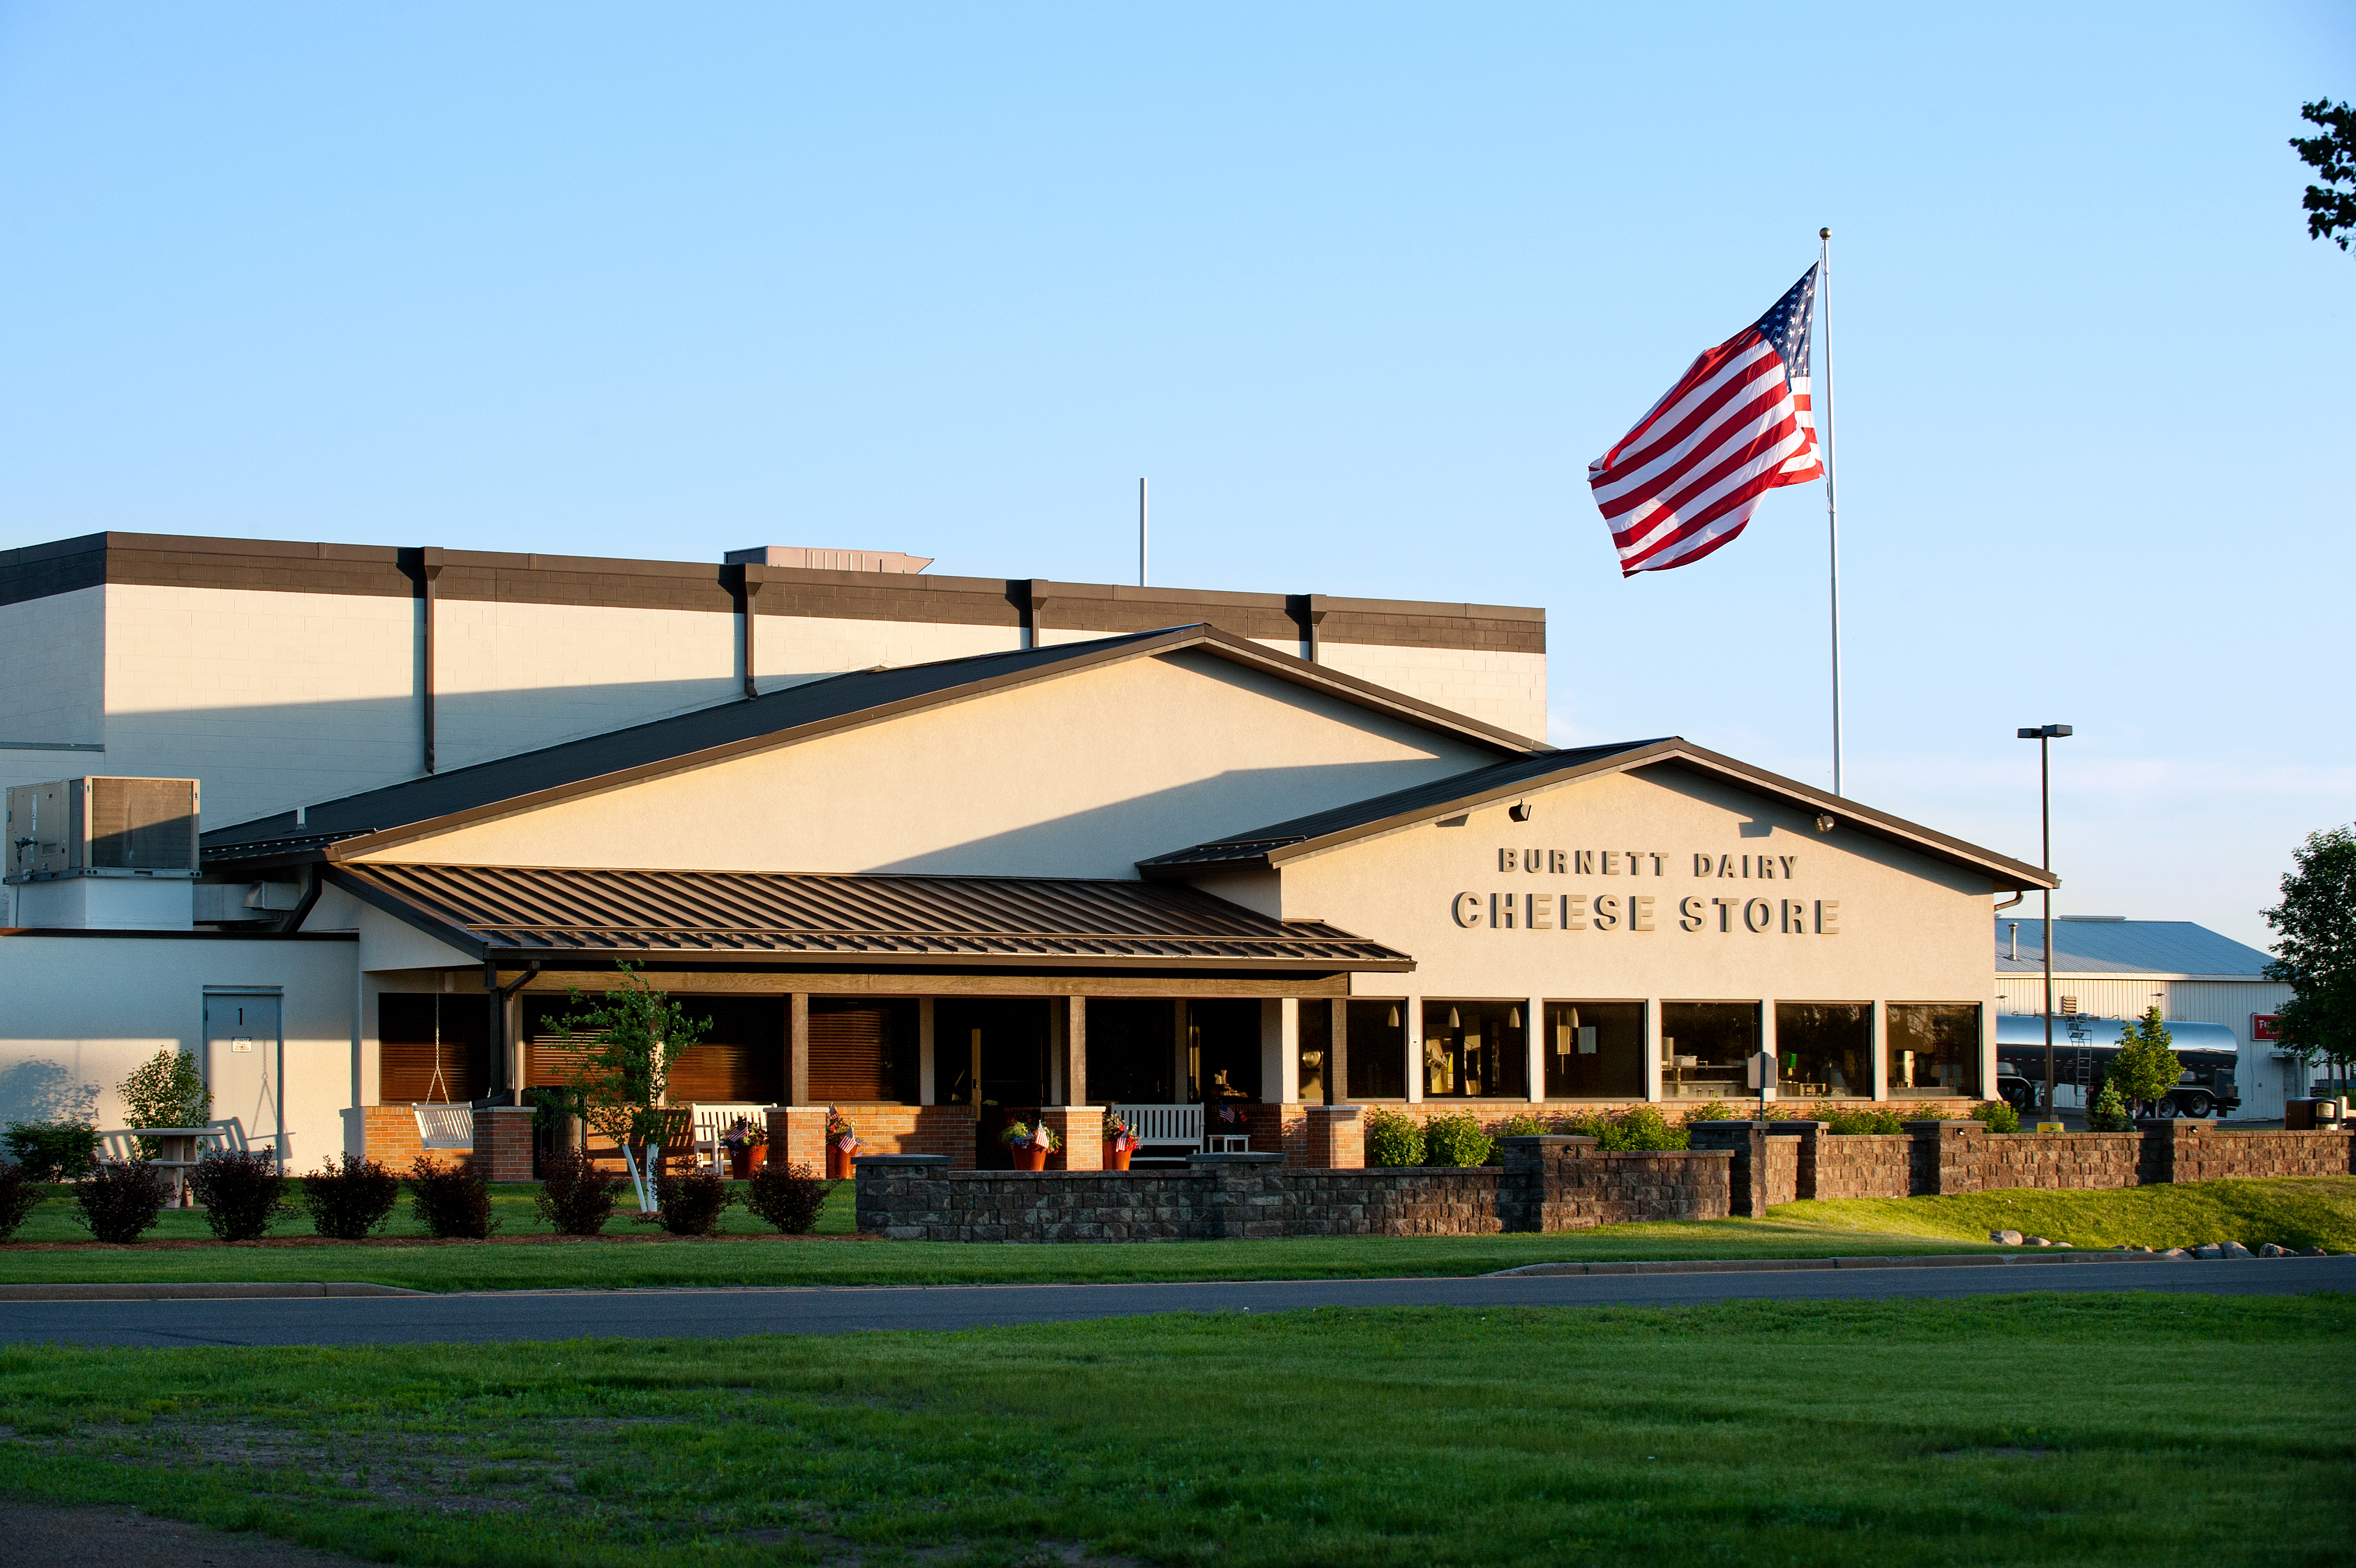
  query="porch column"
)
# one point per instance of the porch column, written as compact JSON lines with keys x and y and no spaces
{"x":1179,"y":1053}
{"x":1534,"y":1036}
{"x":1279,"y":1050}
{"x":927,"y":1087}
{"x":1337,"y":1052}
{"x":1069,"y":1048}
{"x":797,"y":1048}
{"x":1653,"y":1049}
{"x":1411,"y":1010}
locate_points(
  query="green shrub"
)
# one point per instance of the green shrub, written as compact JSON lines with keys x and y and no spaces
{"x":242,"y":1192}
{"x":19,"y":1195}
{"x":1715,"y":1110}
{"x":576,"y":1194}
{"x":1851,"y":1120}
{"x":165,"y":1090}
{"x":349,"y":1196}
{"x":453,"y":1201}
{"x":1455,"y":1138}
{"x":1997,"y":1116}
{"x":691,"y":1205}
{"x":787,"y":1196}
{"x":1393,"y":1138}
{"x":2109,"y":1112}
{"x":1521,"y":1124}
{"x":118,"y":1201}
{"x":52,"y":1151}
{"x":1640,"y":1127}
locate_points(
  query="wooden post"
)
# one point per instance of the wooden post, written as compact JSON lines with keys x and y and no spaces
{"x":1337,"y":1053}
{"x":797,"y":1049}
{"x":1076,"y":1051}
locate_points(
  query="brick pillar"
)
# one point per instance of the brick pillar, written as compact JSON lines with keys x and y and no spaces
{"x":1947,"y":1157}
{"x":1747,"y":1142}
{"x":798,"y":1136}
{"x":1337,"y":1138}
{"x":1080,"y":1130}
{"x":503,"y":1142}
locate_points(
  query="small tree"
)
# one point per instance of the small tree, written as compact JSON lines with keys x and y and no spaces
{"x":632,"y":1041}
{"x":2333,"y":155}
{"x":2144,"y":1069}
{"x":2316,"y":950}
{"x":168,"y":1090}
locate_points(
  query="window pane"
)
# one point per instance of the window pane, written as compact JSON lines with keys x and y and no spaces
{"x":404,"y":1032}
{"x":1705,"y":1048}
{"x":1224,"y":1045}
{"x":1595,"y":1050}
{"x":1824,"y":1048}
{"x":1377,"y":1050}
{"x":859,"y":1050}
{"x":1935,"y":1048}
{"x":1475,"y":1050}
{"x":1132,"y":1044}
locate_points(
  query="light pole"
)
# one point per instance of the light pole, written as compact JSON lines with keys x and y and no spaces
{"x":2044,"y":735}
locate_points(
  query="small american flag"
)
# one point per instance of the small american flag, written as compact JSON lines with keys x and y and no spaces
{"x":1736,"y":426}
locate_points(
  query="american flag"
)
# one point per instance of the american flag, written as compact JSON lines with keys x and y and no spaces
{"x":1735,"y":426}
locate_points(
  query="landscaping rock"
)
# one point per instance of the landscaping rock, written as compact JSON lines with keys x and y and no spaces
{"x":2208,"y":1251}
{"x":2035,"y":1242}
{"x":2173,"y":1253}
{"x":2234,"y":1249}
{"x":2313,"y":1252}
{"x":2066,"y":1246}
{"x":2271,"y":1251}
{"x":2004,"y":1238}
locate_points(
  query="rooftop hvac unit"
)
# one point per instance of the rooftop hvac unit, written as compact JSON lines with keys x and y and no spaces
{"x":103,"y":827}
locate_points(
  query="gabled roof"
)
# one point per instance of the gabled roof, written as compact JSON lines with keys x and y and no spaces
{"x":356,"y":823}
{"x":1268,"y":847}
{"x":2085,"y":946}
{"x":504,"y":914}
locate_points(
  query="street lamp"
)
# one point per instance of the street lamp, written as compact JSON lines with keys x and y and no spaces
{"x":2044,"y":735}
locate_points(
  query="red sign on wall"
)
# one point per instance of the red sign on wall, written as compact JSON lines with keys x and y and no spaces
{"x":2266,"y":1026}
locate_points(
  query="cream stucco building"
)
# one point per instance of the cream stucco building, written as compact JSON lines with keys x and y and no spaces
{"x":1170,"y":866}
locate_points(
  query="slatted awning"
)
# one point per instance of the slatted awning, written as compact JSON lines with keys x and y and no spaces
{"x":504,"y":914}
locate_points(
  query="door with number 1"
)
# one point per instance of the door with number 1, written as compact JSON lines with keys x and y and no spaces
{"x":244,"y":1066}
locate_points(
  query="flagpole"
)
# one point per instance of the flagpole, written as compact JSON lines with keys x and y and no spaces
{"x":1832,"y":504}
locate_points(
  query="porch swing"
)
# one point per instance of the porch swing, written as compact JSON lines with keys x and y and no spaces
{"x":440,"y":1124}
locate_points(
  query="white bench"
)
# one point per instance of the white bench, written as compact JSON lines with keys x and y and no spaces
{"x":713,"y":1122}
{"x":1164,"y":1126}
{"x":182,"y":1149}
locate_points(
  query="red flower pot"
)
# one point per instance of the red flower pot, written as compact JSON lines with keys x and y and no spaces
{"x":838,"y":1163}
{"x":744,"y":1165}
{"x":1117,"y":1159}
{"x":1031,"y":1157}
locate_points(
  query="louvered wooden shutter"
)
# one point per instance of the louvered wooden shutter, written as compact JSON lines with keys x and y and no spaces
{"x":848,"y":1050}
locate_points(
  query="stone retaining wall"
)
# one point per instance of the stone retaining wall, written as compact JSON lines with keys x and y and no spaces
{"x":1546,"y":1182}
{"x":1555,"y":1183}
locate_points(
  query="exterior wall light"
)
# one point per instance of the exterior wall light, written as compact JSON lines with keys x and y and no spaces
{"x":1825,"y":822}
{"x":1519,"y":811}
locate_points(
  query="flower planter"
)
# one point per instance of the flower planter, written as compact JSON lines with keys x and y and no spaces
{"x":1030,"y":1158}
{"x":744,"y":1165}
{"x":838,"y":1163}
{"x":1117,"y":1157}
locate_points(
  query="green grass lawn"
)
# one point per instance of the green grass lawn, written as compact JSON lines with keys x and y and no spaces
{"x":2082,"y":1429}
{"x":2319,"y":1211}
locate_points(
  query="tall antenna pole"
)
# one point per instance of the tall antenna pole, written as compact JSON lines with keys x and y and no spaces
{"x":1140,"y":540}
{"x":1832,"y":503}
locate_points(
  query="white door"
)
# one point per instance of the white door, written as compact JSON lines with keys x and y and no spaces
{"x":244,"y":1061}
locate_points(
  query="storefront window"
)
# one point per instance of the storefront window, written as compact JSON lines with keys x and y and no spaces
{"x":1935,"y":1048}
{"x":1706,"y":1049}
{"x":1475,"y":1050}
{"x":1132,"y":1051}
{"x":1595,"y":1050}
{"x":1824,"y":1048}
{"x":1378,"y":1044}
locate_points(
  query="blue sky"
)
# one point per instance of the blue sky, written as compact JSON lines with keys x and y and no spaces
{"x":1363,"y":288}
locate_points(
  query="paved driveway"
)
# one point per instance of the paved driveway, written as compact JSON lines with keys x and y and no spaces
{"x":663,"y":1314}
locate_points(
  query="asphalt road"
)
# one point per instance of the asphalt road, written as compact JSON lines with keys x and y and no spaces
{"x":490,"y":1318}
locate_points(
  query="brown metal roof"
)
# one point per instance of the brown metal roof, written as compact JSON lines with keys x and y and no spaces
{"x":504,"y":913}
